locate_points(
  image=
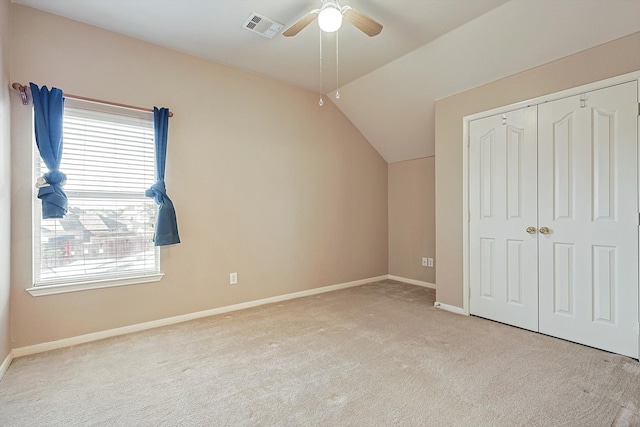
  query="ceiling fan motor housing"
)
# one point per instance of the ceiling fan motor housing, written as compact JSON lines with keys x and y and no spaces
{"x":330,"y":17}
{"x":334,"y":13}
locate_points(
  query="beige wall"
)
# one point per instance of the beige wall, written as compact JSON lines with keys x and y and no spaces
{"x":608,"y":60}
{"x":265,"y":182}
{"x":412,"y":218}
{"x":5,"y":184}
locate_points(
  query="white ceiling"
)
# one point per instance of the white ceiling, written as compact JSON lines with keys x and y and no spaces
{"x":393,"y":106}
{"x":212,"y":29}
{"x":427,"y":50}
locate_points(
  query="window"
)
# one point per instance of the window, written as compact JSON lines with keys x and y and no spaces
{"x":106,"y":238}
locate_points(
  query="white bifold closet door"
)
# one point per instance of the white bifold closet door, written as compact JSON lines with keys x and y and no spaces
{"x":503,"y":262}
{"x":554,"y":218}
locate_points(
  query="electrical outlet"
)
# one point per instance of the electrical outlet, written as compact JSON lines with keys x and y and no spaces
{"x":424,"y":261}
{"x":233,"y":278}
{"x":429,"y":262}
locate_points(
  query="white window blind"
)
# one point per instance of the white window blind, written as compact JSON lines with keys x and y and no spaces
{"x":108,"y":157}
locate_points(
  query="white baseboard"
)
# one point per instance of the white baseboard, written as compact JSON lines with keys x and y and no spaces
{"x":412,"y":281}
{"x":5,"y":364}
{"x":447,"y":307}
{"x":82,"y":339}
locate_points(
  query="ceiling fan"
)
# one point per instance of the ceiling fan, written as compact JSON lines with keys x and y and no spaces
{"x":330,"y":19}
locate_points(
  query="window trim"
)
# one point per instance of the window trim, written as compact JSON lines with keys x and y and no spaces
{"x":91,"y":282}
{"x":41,"y":290}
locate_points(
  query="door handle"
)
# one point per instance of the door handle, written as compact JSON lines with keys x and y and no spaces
{"x":545,"y":230}
{"x":531,"y":230}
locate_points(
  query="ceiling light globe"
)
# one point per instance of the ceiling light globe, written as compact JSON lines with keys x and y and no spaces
{"x":329,"y":19}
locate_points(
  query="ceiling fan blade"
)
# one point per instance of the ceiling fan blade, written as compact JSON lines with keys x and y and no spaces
{"x":301,"y":23}
{"x":364,"y":23}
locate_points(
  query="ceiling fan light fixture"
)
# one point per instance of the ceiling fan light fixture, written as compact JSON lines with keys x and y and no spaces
{"x":330,"y":19}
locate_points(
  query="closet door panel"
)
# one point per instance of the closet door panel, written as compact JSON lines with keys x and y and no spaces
{"x":587,"y":198}
{"x":502,"y":190}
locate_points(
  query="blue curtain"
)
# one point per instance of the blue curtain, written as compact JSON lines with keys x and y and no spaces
{"x":48,"y":107}
{"x":166,"y":232}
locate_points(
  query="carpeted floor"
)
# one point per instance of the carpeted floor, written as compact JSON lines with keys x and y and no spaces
{"x":373,"y":355}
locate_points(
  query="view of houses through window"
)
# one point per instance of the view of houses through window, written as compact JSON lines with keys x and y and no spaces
{"x":108,"y":158}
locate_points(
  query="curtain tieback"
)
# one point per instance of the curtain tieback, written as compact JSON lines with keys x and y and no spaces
{"x":50,"y":192}
{"x":158,"y":191}
{"x":55,"y":178}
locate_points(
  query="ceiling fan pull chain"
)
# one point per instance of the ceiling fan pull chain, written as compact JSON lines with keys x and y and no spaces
{"x":321,"y":103}
{"x":337,"y":69}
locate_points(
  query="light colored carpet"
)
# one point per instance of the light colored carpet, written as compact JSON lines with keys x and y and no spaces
{"x":374,"y":355}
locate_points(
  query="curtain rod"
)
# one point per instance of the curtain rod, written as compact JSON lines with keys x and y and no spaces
{"x":23,"y":95}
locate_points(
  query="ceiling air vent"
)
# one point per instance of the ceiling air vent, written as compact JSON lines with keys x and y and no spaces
{"x":264,"y":26}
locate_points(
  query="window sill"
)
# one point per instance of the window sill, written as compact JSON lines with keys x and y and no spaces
{"x":37,"y":291}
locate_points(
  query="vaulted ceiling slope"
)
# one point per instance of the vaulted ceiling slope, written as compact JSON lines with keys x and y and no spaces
{"x":213,"y":29}
{"x":428,"y":49}
{"x":393,"y":106}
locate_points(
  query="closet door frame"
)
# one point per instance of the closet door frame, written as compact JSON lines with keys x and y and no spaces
{"x":635,"y":76}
